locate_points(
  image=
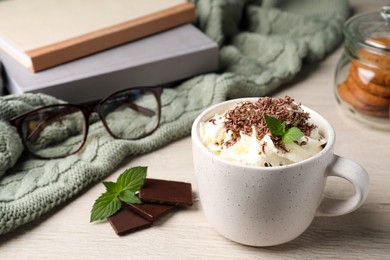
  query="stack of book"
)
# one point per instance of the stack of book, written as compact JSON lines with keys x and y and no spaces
{"x":84,"y":50}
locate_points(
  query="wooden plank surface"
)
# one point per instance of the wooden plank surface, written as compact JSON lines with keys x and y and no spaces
{"x":182,"y":234}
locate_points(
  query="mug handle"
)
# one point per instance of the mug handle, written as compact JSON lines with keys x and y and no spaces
{"x":355,"y":174}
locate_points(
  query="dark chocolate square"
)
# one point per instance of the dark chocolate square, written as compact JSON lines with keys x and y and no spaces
{"x":126,"y":221}
{"x":166,"y":192}
{"x":150,"y":211}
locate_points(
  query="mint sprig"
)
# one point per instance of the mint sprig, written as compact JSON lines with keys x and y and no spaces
{"x":278,"y":128}
{"x":123,"y":190}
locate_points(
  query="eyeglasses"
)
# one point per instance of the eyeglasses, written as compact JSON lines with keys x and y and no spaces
{"x":56,"y":131}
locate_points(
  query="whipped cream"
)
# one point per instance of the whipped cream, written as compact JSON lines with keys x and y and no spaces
{"x":249,"y":150}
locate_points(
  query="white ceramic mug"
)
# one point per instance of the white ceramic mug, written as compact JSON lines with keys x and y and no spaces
{"x":265,"y":206}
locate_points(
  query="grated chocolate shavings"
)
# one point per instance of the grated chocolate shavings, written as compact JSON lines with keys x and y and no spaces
{"x":251,"y":114}
{"x":267,"y":164}
{"x":212,"y":120}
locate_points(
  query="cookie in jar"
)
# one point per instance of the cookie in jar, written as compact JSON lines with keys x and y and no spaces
{"x":362,"y":82}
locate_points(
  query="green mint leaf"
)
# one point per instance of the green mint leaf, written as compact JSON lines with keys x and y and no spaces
{"x":278,"y":128}
{"x":275,"y":126}
{"x":292,"y":134}
{"x":132,"y":179}
{"x":111,"y":187}
{"x":106,"y":205}
{"x":128,"y":183}
{"x":129,"y":197}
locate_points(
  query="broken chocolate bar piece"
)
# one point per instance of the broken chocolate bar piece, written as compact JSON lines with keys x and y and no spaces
{"x":126,"y":221}
{"x":150,"y":211}
{"x":166,"y":192}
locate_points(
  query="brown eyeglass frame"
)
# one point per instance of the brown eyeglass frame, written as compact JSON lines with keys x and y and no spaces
{"x":87,"y":109}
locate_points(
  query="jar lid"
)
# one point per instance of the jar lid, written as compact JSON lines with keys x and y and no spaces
{"x":370,"y":30}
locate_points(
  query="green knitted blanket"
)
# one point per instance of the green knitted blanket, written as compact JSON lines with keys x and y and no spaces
{"x":262,"y":45}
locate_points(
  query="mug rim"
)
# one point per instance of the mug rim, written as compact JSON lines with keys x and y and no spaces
{"x":326,"y":129}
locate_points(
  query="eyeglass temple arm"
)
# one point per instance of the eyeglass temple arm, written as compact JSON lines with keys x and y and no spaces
{"x":34,"y":135}
{"x":143,"y":110}
{"x":42,"y":123}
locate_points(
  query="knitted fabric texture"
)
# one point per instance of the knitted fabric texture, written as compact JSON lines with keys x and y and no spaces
{"x":262,"y":45}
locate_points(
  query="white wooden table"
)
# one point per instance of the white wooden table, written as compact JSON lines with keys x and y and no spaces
{"x":365,"y":234}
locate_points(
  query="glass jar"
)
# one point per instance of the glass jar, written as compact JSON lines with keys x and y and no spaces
{"x":362,"y":80}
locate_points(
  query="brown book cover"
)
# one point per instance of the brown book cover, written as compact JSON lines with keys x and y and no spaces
{"x":42,"y":33}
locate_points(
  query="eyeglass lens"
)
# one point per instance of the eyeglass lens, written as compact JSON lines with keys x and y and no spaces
{"x":58,"y":131}
{"x":131,"y":114}
{"x":54,"y":131}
